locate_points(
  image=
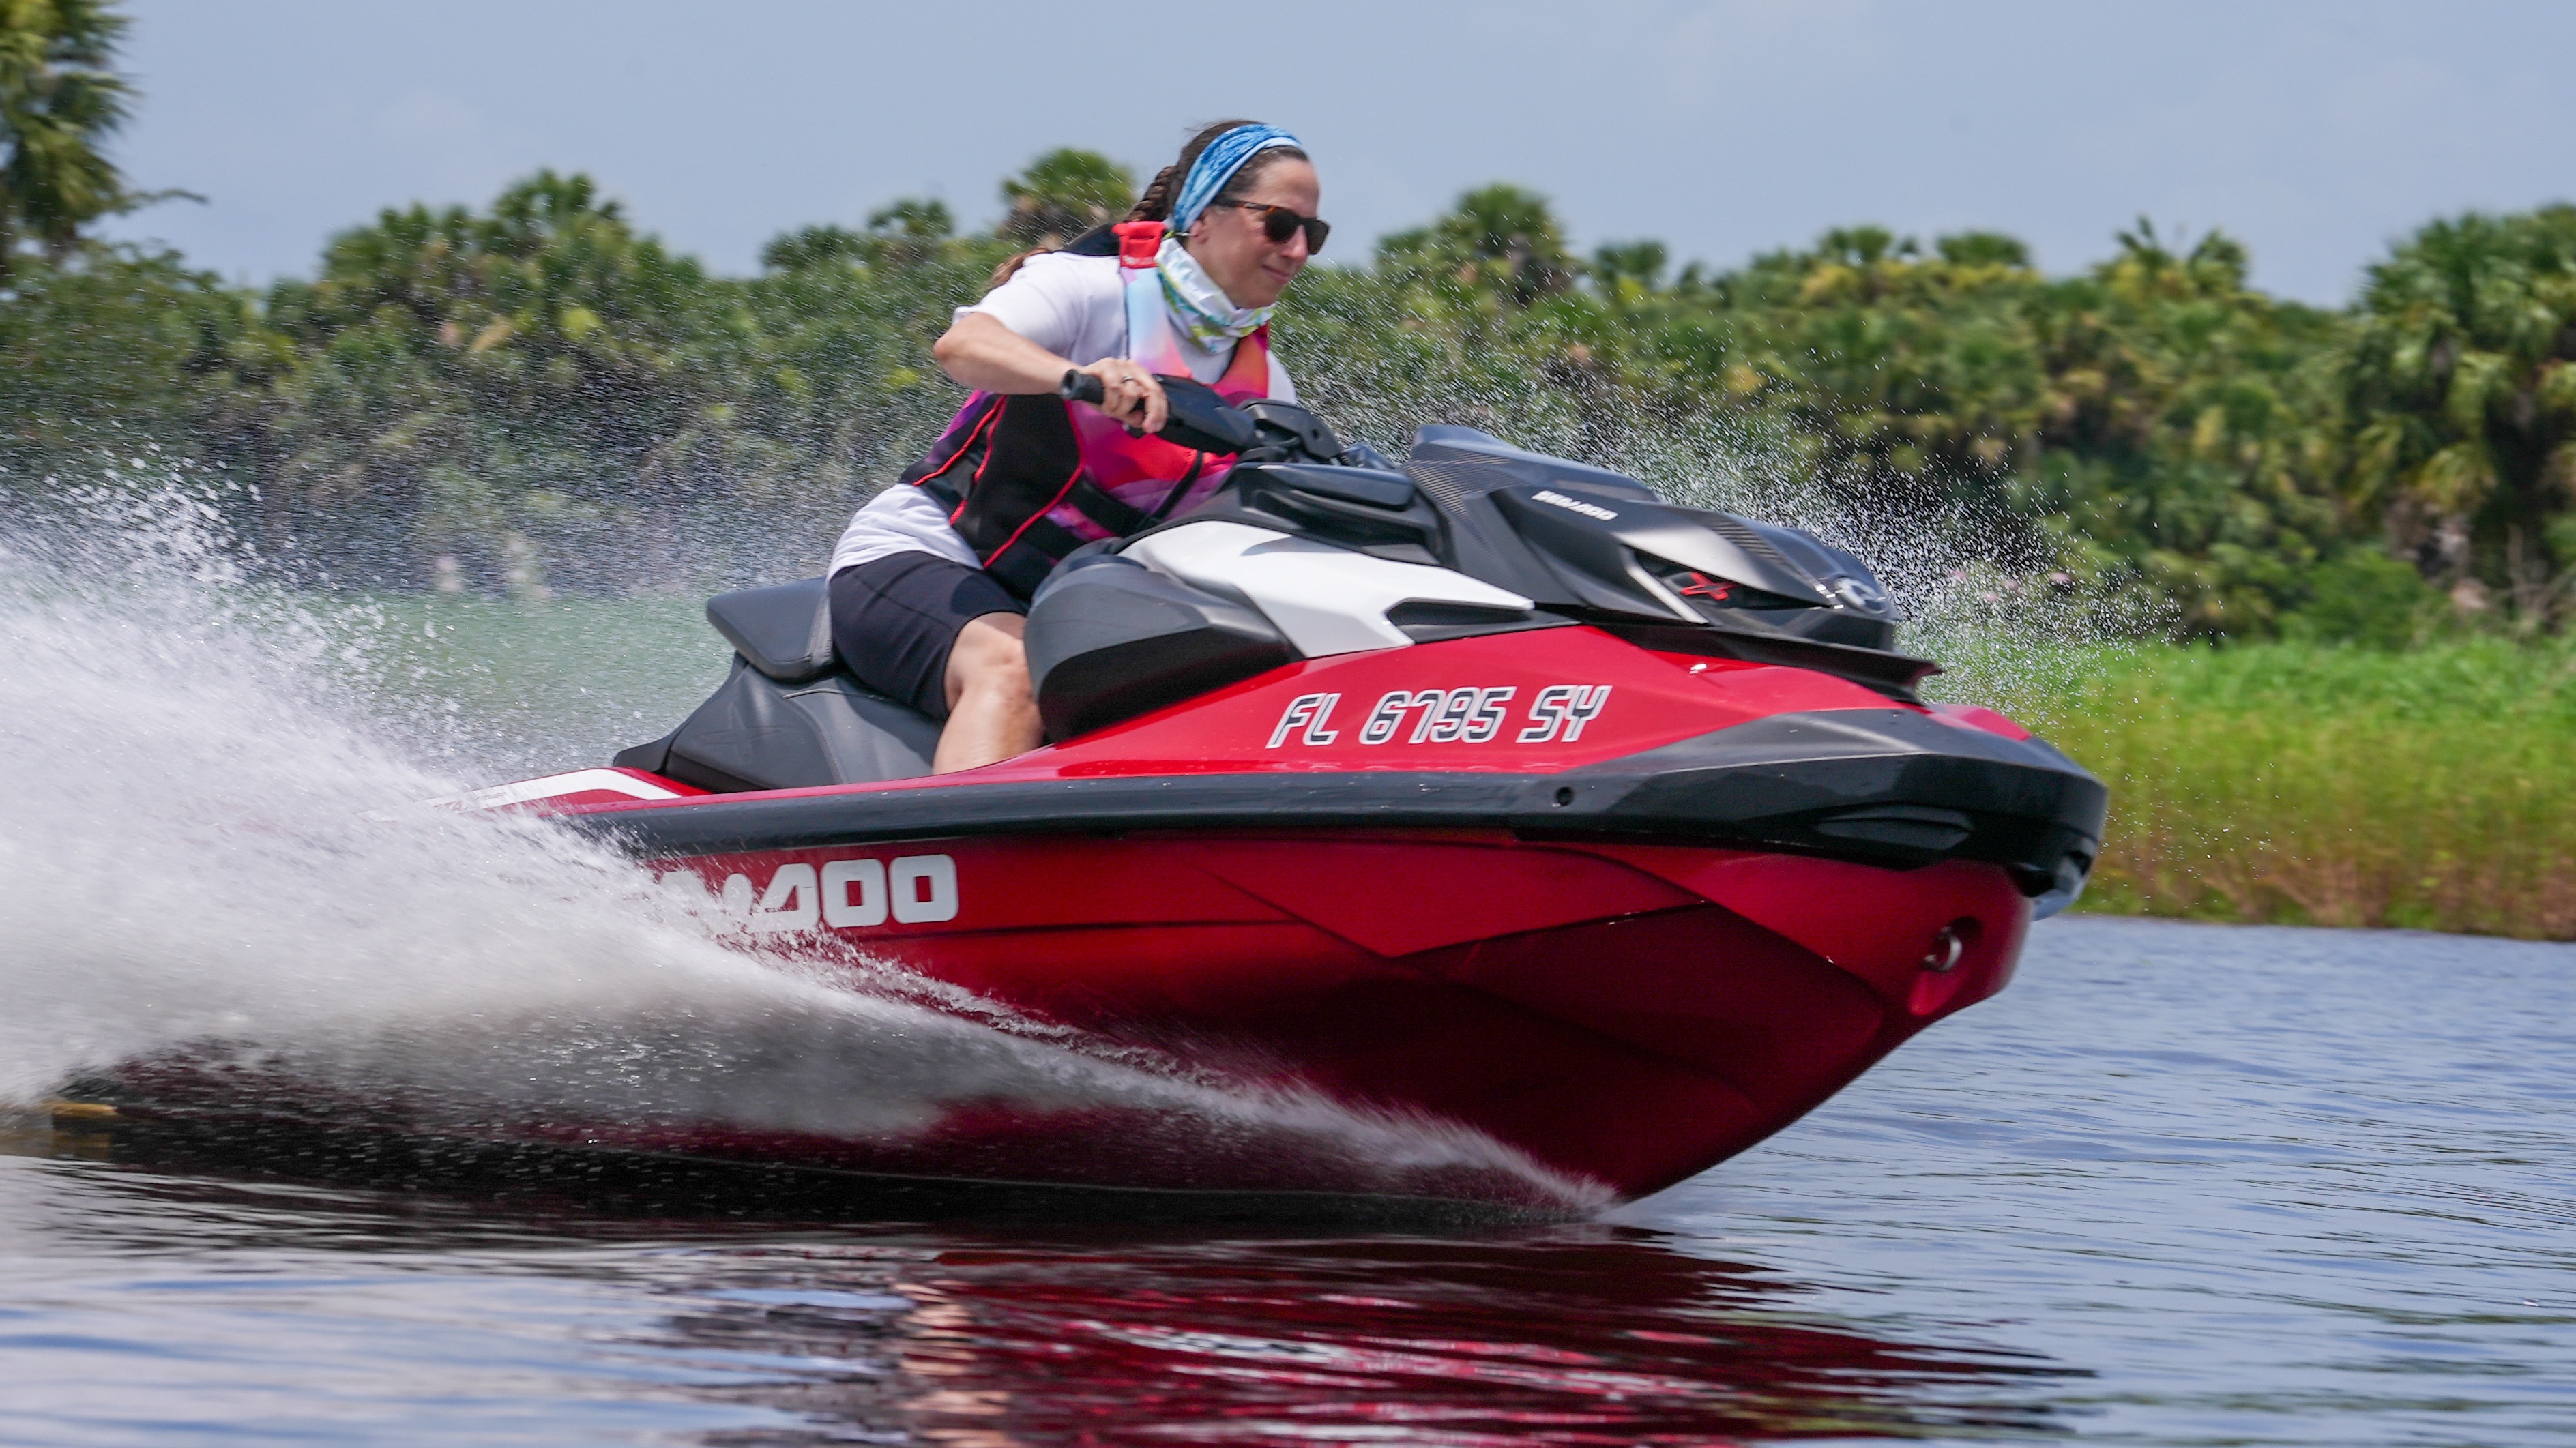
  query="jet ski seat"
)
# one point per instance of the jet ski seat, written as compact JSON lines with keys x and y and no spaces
{"x":789,"y":716}
{"x":785,"y":631}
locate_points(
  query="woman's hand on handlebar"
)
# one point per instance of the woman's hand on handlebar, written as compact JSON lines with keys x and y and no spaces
{"x":1129,"y":393}
{"x":980,"y":352}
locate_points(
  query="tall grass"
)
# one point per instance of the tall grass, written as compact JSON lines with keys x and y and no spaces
{"x":2316,"y":785}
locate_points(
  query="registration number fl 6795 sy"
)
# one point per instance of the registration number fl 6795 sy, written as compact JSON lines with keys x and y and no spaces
{"x":1474,"y":714}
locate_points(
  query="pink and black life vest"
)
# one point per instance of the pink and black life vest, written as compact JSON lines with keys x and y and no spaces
{"x":1028,"y":478}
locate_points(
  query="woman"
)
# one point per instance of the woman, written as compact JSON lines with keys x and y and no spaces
{"x":931,"y":581}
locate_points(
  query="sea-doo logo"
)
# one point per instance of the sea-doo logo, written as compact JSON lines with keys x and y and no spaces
{"x":843,"y":894}
{"x":1575,"y":505}
{"x":1476,"y":714}
{"x":1861,"y":594}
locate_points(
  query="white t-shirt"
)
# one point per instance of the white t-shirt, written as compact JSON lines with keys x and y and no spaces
{"x":1073,"y":306}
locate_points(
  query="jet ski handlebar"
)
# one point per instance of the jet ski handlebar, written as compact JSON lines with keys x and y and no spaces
{"x":1264,"y":431}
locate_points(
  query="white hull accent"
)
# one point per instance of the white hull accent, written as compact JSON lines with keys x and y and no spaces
{"x":1326,"y":600}
{"x":556,"y":786}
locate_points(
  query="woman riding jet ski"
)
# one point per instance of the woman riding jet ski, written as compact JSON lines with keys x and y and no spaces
{"x":1487,"y":794}
{"x":933,"y":577}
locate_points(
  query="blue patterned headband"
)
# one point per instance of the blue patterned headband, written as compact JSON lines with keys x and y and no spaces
{"x":1216,"y":166}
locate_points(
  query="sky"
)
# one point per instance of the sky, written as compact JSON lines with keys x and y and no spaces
{"x":2317,"y":133}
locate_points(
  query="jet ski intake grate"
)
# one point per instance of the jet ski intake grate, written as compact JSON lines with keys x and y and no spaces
{"x":1749,"y":538}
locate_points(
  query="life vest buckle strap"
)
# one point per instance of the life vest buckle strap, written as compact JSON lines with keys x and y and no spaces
{"x":1139,"y":243}
{"x":1108,"y":510}
{"x":1180,"y":489}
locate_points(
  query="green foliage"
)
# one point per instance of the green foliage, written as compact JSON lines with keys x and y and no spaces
{"x":912,"y":232}
{"x":915,"y":219}
{"x":2152,"y":425}
{"x":59,"y":103}
{"x":520,"y":390}
{"x":489,"y":375}
{"x":537,"y":393}
{"x":2460,"y":377}
{"x":1630,"y":270}
{"x":2365,"y":598}
{"x":111,"y":350}
{"x":811,"y":246}
{"x":2206,"y":411}
{"x":1983,"y":248}
{"x":1500,"y":239}
{"x":1063,"y":194}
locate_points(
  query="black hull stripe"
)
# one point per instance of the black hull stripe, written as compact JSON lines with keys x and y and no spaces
{"x":1885,"y":787}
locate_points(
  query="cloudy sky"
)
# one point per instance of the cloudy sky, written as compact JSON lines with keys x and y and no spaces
{"x":2314,"y":131}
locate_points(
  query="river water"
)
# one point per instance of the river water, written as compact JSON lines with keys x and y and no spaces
{"x":2179,"y":1185}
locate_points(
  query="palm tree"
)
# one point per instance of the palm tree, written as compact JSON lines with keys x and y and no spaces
{"x":909,"y":232}
{"x":1628,"y":270}
{"x":814,"y":246}
{"x":1063,"y":194}
{"x":59,"y":102}
{"x":2461,"y":381}
{"x":1499,"y":237}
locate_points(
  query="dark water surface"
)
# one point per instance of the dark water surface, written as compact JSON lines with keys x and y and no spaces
{"x":2179,"y":1185}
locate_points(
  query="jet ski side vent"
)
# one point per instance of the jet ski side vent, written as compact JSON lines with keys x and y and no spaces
{"x":1751,"y":539}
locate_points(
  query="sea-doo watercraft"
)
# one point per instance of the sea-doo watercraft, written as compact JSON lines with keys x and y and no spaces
{"x":1488,"y":790}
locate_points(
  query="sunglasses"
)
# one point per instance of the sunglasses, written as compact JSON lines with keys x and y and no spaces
{"x":1280,"y":223}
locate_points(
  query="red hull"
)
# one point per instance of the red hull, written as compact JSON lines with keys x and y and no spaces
{"x":1623,"y":1015}
{"x":1617,"y":1013}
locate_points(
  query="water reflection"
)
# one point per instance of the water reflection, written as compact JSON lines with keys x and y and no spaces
{"x":1030,"y":1331}
{"x":1582,"y":1335}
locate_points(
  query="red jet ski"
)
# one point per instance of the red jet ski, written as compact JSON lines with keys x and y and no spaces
{"x":1487,"y":792}
{"x":1491,"y":789}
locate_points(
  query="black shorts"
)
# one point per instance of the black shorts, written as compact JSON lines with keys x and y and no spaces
{"x":895,"y":618}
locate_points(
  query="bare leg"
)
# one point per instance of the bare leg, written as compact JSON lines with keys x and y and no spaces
{"x":991,"y":713}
